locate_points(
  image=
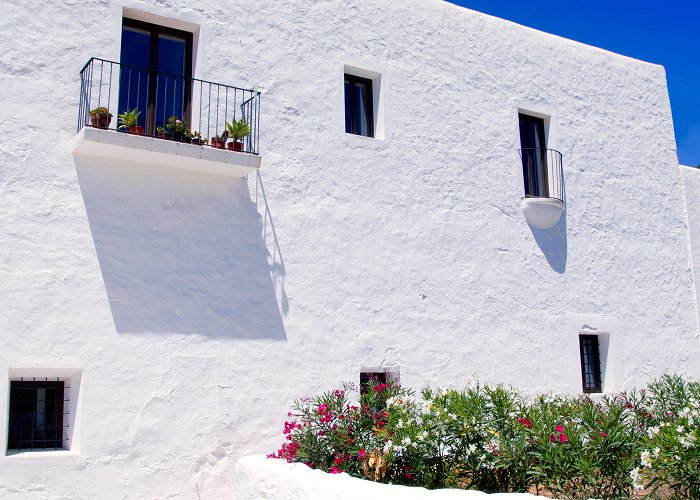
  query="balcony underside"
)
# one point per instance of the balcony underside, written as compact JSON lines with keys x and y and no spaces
{"x":142,"y":149}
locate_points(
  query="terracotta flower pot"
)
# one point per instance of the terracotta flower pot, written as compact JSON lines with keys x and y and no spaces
{"x":217,"y":144}
{"x":238,"y":146}
{"x":136,"y":129}
{"x":100,"y":121}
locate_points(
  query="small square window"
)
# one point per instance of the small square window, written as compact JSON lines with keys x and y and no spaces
{"x":36,"y":415}
{"x":370,"y":379}
{"x":359,"y":107}
{"x":590,"y":364}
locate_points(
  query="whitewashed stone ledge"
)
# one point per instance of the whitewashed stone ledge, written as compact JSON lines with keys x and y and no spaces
{"x":261,"y":478}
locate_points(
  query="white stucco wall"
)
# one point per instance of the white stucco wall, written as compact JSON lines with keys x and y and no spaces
{"x":266,"y":479}
{"x":194,"y":308}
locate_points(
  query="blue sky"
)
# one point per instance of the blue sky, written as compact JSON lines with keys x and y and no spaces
{"x":666,"y":33}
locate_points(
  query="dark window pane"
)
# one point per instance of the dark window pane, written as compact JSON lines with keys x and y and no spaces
{"x":134,"y":79}
{"x":36,"y":415}
{"x":359,"y":112}
{"x":534,"y":155}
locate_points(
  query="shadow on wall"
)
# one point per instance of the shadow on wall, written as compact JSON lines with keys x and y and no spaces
{"x":553,"y":243}
{"x":182,"y":252}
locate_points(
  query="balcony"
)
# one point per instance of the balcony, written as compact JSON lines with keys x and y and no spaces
{"x":142,"y":115}
{"x":545,"y":196}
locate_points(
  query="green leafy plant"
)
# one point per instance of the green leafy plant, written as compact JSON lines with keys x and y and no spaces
{"x":237,"y":130}
{"x":493,"y":439}
{"x":100,"y":112}
{"x":129,"y":119}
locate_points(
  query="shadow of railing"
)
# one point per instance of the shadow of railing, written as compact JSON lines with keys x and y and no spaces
{"x":277,"y":270}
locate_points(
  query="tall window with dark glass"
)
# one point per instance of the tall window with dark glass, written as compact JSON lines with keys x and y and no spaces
{"x":534,"y":156}
{"x":155,"y":73}
{"x":359,"y":108}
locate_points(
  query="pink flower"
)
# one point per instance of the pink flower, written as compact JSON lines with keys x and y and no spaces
{"x":339,"y":394}
{"x":552,"y":438}
{"x":602,"y":434}
{"x":409,"y":476}
{"x":563,"y":438}
{"x":559,"y":428}
{"x":361,"y":454}
{"x":525,"y":422}
{"x":322,"y":409}
{"x":334,"y":470}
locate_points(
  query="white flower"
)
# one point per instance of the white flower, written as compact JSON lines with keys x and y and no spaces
{"x":471,"y":449}
{"x":634,"y":474}
{"x":656,"y":452}
{"x":652,"y":431}
{"x":400,"y":424}
{"x":406,"y":441}
{"x":645,"y":459}
{"x":687,"y":441}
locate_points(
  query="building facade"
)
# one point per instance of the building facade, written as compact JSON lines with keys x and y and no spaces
{"x":426,"y":191}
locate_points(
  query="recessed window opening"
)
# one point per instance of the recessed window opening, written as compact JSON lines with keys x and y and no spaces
{"x":359,"y":106}
{"x":590,"y":363}
{"x":36,"y":420}
{"x":155,"y":73}
{"x":534,"y":155}
{"x":370,"y":379}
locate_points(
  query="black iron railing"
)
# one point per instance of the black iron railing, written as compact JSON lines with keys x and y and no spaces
{"x":543,"y":173}
{"x":168,"y":106}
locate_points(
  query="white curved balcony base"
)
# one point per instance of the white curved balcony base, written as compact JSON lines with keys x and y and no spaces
{"x":542,"y":213}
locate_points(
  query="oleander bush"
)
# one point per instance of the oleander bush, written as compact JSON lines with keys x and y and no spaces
{"x":494,"y":439}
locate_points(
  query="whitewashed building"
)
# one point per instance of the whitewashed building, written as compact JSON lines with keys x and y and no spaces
{"x":426,"y":191}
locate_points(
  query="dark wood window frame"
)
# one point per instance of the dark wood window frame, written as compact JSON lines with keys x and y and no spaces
{"x":23,"y":434}
{"x":351,"y":105}
{"x":591,"y":380}
{"x":156,"y":30}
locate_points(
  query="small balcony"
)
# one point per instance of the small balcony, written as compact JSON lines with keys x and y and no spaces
{"x":545,"y":196}
{"x":149,"y":116}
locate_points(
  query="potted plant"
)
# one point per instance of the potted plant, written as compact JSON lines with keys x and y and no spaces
{"x":197,"y":138}
{"x":129,"y":119}
{"x":238,"y":130}
{"x":177,"y":128}
{"x":161,"y":132}
{"x":100,"y":117}
{"x":219,"y":141}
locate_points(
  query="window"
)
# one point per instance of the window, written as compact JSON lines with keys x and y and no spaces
{"x":590,"y":363}
{"x":359,"y":108}
{"x":155,"y":73}
{"x":369,"y":379}
{"x":534,"y":155}
{"x":36,"y":415}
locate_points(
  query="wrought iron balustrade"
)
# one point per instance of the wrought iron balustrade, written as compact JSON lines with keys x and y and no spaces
{"x":159,"y":100}
{"x":543,"y":173}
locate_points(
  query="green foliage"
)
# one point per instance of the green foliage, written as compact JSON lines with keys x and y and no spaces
{"x":100,"y":112}
{"x":494,"y":439}
{"x":237,"y":129}
{"x":129,"y":118}
{"x":670,"y":414}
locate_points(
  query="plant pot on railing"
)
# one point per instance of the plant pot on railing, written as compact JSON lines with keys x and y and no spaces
{"x":100,"y":117}
{"x":128,"y":120}
{"x":218,"y":143}
{"x":238,"y":130}
{"x":235,"y":146}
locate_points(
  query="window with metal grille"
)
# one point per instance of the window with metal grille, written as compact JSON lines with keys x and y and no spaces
{"x":359,"y":107}
{"x":36,"y":415}
{"x":370,"y":379}
{"x":590,"y":363}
